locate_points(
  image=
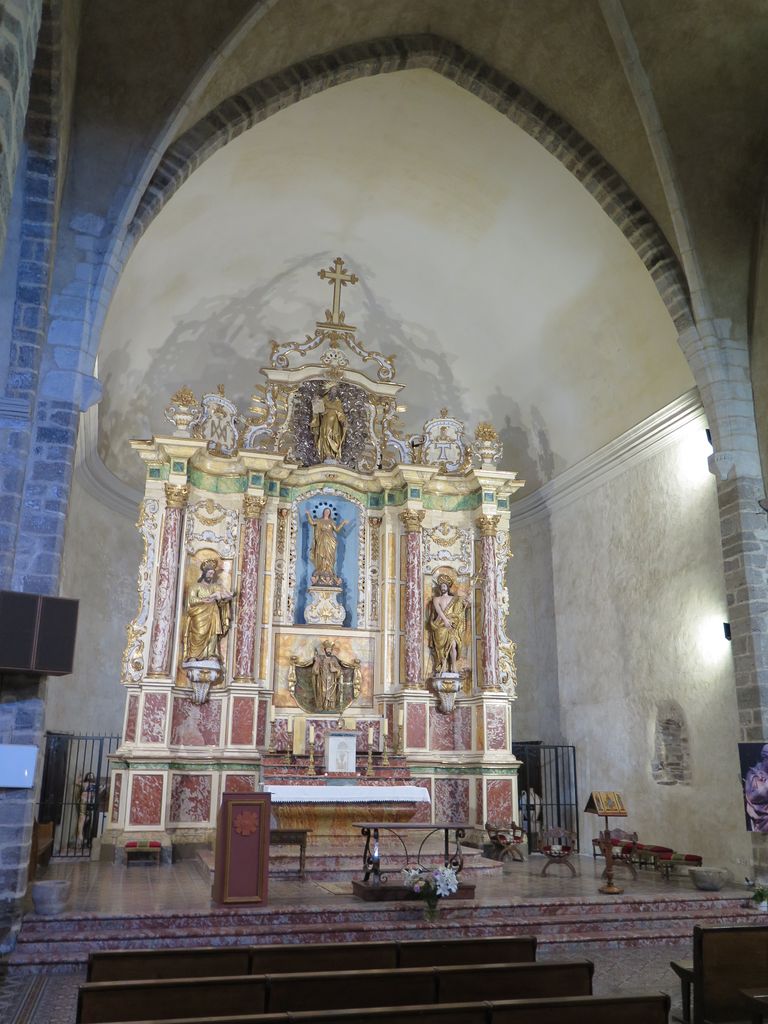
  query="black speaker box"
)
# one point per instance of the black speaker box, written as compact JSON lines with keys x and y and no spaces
{"x":37,"y":633}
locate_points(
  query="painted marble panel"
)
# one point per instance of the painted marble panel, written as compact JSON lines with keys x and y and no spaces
{"x":190,"y":798}
{"x":146,"y":800}
{"x":451,"y":800}
{"x":500,"y":801}
{"x":362,"y":735}
{"x":132,"y":718}
{"x":423,"y":811}
{"x":239,"y":783}
{"x":451,"y":732}
{"x":261,"y":724}
{"x":242,"y":720}
{"x":153,"y":717}
{"x":281,"y":736}
{"x":116,"y":796}
{"x":480,"y":810}
{"x":416,"y":725}
{"x":195,"y":725}
{"x":496,"y":726}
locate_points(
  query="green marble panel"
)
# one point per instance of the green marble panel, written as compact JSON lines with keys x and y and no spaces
{"x":453,"y":502}
{"x":218,"y":484}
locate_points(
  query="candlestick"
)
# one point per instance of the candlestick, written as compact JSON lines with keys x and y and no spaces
{"x":311,"y":733}
{"x":385,"y":727}
{"x":370,"y":735}
{"x":400,"y":730}
{"x":311,"y":768}
{"x":272,"y":713}
{"x":369,"y":769}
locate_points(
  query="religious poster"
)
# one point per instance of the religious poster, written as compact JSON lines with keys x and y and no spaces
{"x":753,"y":760}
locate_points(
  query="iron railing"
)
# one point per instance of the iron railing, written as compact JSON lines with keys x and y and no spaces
{"x":549,"y":796}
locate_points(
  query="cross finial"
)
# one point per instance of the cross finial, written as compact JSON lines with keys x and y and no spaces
{"x":339,"y":278}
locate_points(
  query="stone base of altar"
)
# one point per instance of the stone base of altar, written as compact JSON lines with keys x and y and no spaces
{"x":329,"y":811}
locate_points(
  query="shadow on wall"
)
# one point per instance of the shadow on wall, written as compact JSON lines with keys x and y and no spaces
{"x":526,"y":445}
{"x":225,"y":339}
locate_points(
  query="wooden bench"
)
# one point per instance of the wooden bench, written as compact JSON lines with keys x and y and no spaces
{"x":627,"y":1009}
{"x":292,"y":837}
{"x":725,"y":960}
{"x":213,"y":961}
{"x":163,"y":999}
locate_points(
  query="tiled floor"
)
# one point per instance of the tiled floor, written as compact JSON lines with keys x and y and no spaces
{"x":101,"y":888}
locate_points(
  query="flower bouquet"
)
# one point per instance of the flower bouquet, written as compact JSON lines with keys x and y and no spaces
{"x":430,"y":886}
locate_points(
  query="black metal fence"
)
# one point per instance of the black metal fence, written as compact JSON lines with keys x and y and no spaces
{"x":549,"y":796}
{"x":75,"y":790}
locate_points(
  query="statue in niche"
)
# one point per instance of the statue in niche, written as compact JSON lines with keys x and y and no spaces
{"x":323,"y":550}
{"x":208,"y":609}
{"x":327,"y":683}
{"x":446,"y":626}
{"x":329,"y":426}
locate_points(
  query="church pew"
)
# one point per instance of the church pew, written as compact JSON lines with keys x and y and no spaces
{"x":626,"y":1009}
{"x":100,"y":1002}
{"x":210,"y":961}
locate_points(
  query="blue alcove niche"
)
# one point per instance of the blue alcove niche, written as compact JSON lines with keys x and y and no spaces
{"x":346,"y":552}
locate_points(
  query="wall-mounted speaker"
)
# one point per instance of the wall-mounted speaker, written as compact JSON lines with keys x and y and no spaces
{"x":37,"y":633}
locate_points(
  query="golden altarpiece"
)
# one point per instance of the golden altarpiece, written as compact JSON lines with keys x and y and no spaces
{"x":309,"y":569}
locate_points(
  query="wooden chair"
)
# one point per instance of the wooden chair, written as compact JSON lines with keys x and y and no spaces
{"x":557,"y":845}
{"x":506,"y":840}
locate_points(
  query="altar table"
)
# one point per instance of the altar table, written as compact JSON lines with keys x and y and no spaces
{"x":372,"y":851}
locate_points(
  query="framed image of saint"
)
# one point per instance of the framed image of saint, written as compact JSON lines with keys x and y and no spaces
{"x":753,"y":760}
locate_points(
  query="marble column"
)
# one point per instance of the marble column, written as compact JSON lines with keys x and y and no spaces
{"x":488,"y":526}
{"x":167,"y":580}
{"x":414,"y":611}
{"x":245,"y":641}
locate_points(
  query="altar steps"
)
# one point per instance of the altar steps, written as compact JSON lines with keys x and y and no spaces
{"x":63,"y":943}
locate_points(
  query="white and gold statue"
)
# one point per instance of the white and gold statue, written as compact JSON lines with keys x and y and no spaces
{"x":208,"y":609}
{"x":446,"y":626}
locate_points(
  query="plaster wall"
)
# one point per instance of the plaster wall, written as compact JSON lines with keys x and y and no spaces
{"x":101,"y":560}
{"x":536,"y":714}
{"x":492,"y":275}
{"x":639,"y":606}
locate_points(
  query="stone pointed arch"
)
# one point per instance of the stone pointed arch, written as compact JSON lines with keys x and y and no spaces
{"x":260,"y":100}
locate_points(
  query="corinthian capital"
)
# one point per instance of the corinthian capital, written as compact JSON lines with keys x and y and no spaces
{"x":488,"y":525}
{"x":176,"y":495}
{"x":253,"y":505}
{"x":412,"y":519}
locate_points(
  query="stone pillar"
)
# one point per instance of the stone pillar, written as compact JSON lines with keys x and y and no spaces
{"x":245,"y":641}
{"x":167,"y":579}
{"x":488,"y":526}
{"x":414,"y":612}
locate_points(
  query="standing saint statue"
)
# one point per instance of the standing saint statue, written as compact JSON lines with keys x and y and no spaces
{"x":208,"y":608}
{"x":323,"y":550}
{"x":327,"y":678}
{"x":329,"y":426}
{"x":446,"y":626}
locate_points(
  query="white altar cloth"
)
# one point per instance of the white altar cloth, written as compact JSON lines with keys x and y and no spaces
{"x":348,"y":794}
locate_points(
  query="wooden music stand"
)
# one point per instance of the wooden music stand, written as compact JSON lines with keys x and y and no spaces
{"x":608,"y":805}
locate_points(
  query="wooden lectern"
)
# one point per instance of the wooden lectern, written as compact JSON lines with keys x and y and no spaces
{"x":241,"y":873}
{"x":608,"y":805}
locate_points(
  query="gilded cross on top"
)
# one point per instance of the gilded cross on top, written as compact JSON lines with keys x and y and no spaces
{"x":339,"y":278}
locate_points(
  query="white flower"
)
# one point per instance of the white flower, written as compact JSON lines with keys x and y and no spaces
{"x":446,"y":881}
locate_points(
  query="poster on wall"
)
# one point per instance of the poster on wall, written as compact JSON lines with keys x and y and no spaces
{"x":753,"y":759}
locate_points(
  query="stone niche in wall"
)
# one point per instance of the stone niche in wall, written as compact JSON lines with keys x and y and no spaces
{"x":671,"y":765}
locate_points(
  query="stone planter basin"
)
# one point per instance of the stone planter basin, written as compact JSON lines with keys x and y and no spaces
{"x":50,"y":896}
{"x":710,"y":879}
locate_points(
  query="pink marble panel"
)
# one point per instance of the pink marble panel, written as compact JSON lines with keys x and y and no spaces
{"x":451,"y":732}
{"x":261,"y":724}
{"x":239,"y":783}
{"x":116,"y":796}
{"x":195,"y":725}
{"x":416,"y":725}
{"x":131,"y":718}
{"x":153,"y":717}
{"x":500,"y":800}
{"x":389,"y":711}
{"x":146,"y":800}
{"x":242,"y":720}
{"x":480,"y":814}
{"x":281,"y":737}
{"x":362,"y":735}
{"x":190,"y":798}
{"x":423,"y":811}
{"x":451,"y":800}
{"x":495,"y":727}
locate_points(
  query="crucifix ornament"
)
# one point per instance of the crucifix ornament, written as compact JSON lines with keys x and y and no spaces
{"x":337,"y":276}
